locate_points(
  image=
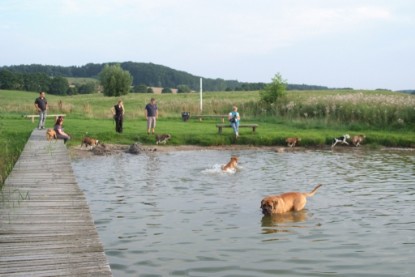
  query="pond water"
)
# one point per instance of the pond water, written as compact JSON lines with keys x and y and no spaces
{"x":177,"y":214}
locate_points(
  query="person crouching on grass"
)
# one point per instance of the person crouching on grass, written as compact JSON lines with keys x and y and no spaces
{"x":234,"y":119}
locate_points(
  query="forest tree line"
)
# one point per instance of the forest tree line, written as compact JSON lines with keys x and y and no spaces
{"x":54,"y":79}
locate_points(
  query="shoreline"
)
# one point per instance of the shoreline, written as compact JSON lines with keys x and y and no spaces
{"x":111,"y":149}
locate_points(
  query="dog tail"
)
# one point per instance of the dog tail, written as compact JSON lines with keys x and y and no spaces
{"x":313,"y":191}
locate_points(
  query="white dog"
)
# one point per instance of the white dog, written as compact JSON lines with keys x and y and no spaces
{"x":343,"y":139}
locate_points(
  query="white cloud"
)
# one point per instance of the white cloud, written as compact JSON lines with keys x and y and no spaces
{"x":222,"y":37}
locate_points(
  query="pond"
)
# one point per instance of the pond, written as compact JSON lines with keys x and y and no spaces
{"x":177,"y":214}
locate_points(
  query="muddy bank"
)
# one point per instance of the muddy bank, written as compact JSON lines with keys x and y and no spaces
{"x":111,"y":149}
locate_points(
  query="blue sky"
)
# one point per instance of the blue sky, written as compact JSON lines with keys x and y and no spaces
{"x":363,"y":44}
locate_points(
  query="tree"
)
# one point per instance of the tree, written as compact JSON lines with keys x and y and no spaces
{"x":183,"y":89}
{"x":166,"y":90}
{"x":274,"y":91}
{"x":87,"y":88}
{"x":10,"y":80}
{"x":140,"y":89}
{"x":58,"y":86}
{"x":115,"y":81}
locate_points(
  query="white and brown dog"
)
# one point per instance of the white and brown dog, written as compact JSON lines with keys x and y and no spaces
{"x":286,"y":202}
{"x":358,"y":139}
{"x":231,"y":165}
{"x":343,"y":139}
{"x":163,"y":138}
{"x":89,"y":142}
{"x":291,"y":142}
{"x":51,"y":134}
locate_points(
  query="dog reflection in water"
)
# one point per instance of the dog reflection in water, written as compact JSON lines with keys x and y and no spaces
{"x":282,"y":223}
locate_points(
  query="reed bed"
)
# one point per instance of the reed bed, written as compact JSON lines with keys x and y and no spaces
{"x":369,"y":108}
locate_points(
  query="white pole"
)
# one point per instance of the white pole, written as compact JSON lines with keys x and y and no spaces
{"x":201,"y":101}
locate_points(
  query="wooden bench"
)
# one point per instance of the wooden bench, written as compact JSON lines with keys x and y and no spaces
{"x":222,"y":116}
{"x":221,"y":126}
{"x":32,"y":116}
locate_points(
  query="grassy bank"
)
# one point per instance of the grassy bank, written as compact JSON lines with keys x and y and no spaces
{"x":385,"y":118}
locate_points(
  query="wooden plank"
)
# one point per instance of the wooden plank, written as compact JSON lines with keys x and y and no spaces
{"x":223,"y":116}
{"x":46,"y":227}
{"x":32,"y":116}
{"x":220,"y":126}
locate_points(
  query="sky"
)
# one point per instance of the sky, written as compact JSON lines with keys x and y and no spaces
{"x":361,"y":44}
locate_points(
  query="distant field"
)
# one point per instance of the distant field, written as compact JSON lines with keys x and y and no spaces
{"x":81,"y":81}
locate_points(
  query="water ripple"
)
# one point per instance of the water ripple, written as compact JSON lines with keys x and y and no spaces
{"x":158,"y":216}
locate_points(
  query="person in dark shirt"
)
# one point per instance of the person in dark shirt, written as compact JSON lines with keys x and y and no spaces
{"x":41,"y":105}
{"x":118,"y":113}
{"x":151,"y":113}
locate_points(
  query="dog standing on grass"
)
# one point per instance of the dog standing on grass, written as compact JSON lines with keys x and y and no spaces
{"x":291,"y":142}
{"x":163,"y":138}
{"x":343,"y":140}
{"x":88,"y":141}
{"x":286,"y":202}
{"x":358,"y":139}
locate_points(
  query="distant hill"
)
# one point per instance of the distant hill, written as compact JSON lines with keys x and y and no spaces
{"x":149,"y":74}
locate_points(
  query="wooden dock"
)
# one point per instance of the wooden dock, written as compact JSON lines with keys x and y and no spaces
{"x":46,"y":228}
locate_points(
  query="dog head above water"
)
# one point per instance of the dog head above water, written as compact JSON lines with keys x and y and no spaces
{"x":163,"y":138}
{"x":267,"y":205}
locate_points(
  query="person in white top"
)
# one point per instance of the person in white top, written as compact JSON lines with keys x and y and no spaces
{"x":234,"y":119}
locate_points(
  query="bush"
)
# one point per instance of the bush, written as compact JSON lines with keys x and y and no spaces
{"x":274,"y":91}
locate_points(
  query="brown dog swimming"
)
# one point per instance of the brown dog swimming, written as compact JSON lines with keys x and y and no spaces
{"x":51,"y":134}
{"x":286,"y":202}
{"x":88,"y":141}
{"x":231,"y":165}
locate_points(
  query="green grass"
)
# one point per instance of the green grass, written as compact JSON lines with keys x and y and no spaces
{"x":13,"y":137}
{"x":387,"y":119}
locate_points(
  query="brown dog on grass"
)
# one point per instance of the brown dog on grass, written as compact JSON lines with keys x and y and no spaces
{"x":231,"y":165}
{"x":291,"y":142}
{"x":357,"y":140}
{"x":88,"y":141}
{"x":286,"y":202}
{"x":51,"y":134}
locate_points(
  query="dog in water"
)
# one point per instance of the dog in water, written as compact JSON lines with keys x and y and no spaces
{"x":357,"y":140}
{"x":286,"y":202}
{"x":89,"y":142}
{"x":163,"y":138}
{"x":291,"y":142}
{"x":343,"y":140}
{"x":51,"y":134}
{"x":231,"y":165}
